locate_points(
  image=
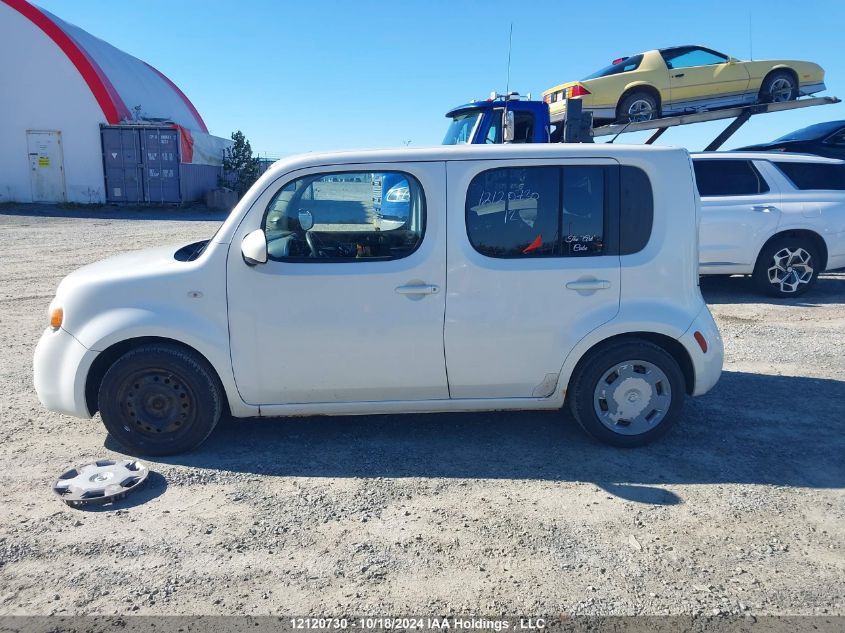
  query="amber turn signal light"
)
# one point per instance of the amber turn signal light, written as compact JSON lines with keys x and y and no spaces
{"x":56,"y":317}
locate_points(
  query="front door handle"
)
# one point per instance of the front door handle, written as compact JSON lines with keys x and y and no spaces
{"x":764,"y":208}
{"x":588,"y":284}
{"x":678,"y":75}
{"x":422,"y":289}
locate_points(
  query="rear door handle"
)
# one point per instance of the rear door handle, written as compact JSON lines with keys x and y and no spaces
{"x":588,"y":284}
{"x":764,"y":208}
{"x":426,"y":289}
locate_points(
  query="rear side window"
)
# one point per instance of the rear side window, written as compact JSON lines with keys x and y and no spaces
{"x":571,"y":211}
{"x":515,"y":212}
{"x":728,"y":178}
{"x":814,"y":175}
{"x":636,"y":212}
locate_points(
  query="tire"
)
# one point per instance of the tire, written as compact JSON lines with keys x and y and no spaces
{"x":596,"y":398}
{"x":787,"y":267}
{"x":779,"y":86}
{"x":160,"y":399}
{"x":641,"y":101}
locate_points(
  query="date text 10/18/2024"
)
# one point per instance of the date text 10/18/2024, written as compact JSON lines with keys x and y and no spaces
{"x":421,"y":623}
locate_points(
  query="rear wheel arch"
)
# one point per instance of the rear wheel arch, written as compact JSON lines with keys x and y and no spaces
{"x":809,"y":234}
{"x":652,"y":90}
{"x":107,"y":358}
{"x":670,"y":345}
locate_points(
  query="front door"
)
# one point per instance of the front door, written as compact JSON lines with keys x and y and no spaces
{"x":701,"y":78}
{"x":46,"y":170}
{"x":533,"y":268}
{"x":349,"y":307}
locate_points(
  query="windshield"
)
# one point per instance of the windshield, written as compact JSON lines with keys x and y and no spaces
{"x":819,"y":130}
{"x":462,"y":127}
{"x":625,"y":65}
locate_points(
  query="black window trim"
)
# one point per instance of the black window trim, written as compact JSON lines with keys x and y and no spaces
{"x":345,"y":260}
{"x":610,"y":225}
{"x":750,"y":161}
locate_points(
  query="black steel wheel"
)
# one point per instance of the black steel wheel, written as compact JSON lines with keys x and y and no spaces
{"x":160,"y":399}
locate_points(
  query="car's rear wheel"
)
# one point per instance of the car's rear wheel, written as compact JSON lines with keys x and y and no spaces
{"x":640,"y":105}
{"x":160,"y":399}
{"x":779,"y":86}
{"x":627,"y":393}
{"x":787,"y":267}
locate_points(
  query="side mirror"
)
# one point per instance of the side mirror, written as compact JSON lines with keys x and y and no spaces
{"x":508,"y":126}
{"x":254,"y":248}
{"x":732,"y":60}
{"x":306,"y":220}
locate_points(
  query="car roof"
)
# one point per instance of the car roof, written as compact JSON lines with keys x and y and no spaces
{"x":471,"y":152}
{"x":778,"y":156}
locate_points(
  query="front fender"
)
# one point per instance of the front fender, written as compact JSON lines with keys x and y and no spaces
{"x":208,"y":337}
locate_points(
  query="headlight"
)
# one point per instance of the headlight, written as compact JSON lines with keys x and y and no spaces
{"x":399,"y":194}
{"x":57,"y":315}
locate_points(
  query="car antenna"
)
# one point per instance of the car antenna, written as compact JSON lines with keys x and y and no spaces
{"x":507,"y":82}
{"x":750,"y":39}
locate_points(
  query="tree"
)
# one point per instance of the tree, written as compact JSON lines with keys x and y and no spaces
{"x":239,"y":167}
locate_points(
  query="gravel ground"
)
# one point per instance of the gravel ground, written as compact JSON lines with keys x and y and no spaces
{"x":740,"y":509}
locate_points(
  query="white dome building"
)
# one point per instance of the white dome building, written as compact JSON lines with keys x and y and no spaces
{"x":82,"y":121}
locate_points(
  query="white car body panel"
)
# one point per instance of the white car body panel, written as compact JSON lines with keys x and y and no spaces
{"x":334,"y":338}
{"x":734,"y":229}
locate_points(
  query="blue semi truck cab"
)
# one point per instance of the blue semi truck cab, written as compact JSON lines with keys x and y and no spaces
{"x":498,"y":119}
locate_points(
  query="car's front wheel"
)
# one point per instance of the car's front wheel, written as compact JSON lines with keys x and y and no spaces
{"x":779,"y":86}
{"x":627,"y":393}
{"x":787,"y":267}
{"x":160,"y":399}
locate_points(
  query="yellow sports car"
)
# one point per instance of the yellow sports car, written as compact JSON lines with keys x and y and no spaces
{"x":683,"y":79}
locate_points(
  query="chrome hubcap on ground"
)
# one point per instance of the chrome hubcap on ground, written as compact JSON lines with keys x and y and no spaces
{"x":156,"y":402}
{"x":632,"y":397}
{"x":790,"y":269}
{"x":781,"y":90}
{"x":640,"y":110}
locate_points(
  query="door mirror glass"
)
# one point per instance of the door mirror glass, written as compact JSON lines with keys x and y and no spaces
{"x":306,"y":220}
{"x":508,"y":126}
{"x":254,"y":248}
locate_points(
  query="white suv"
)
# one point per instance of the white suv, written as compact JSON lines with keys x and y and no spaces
{"x":511,"y":277}
{"x":778,"y":217}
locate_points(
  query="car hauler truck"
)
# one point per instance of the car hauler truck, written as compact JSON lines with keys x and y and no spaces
{"x":509,"y":118}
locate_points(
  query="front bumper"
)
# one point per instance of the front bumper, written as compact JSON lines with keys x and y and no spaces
{"x":707,"y":366}
{"x":61,"y":366}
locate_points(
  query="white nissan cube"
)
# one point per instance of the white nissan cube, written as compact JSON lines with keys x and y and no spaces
{"x":413,"y":280}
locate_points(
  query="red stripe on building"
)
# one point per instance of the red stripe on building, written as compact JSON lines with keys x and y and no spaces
{"x":182,"y":95}
{"x":109,"y":101}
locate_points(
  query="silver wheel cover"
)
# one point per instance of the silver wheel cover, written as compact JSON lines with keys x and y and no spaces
{"x":632,"y":397}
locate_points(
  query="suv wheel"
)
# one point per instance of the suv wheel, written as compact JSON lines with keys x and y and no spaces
{"x":787,"y":267}
{"x":627,"y":393}
{"x":160,"y":400}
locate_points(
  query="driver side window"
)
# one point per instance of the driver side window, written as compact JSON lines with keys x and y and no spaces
{"x":346,"y":216}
